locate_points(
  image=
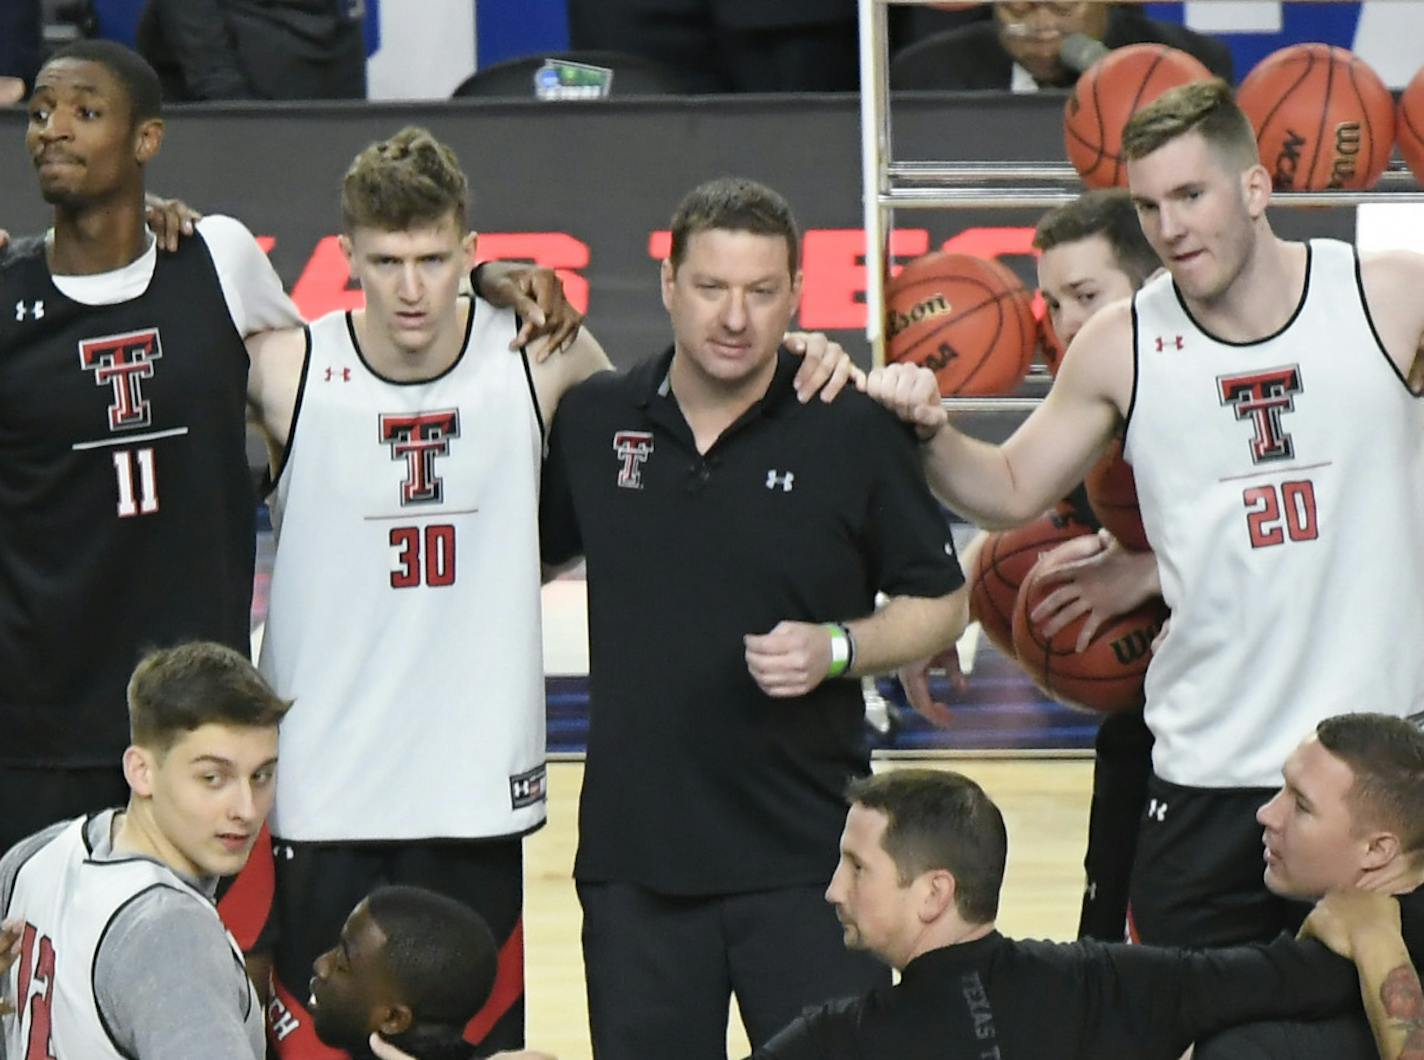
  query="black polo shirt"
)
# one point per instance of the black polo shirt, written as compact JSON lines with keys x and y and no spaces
{"x":999,"y":999}
{"x":697,"y":783}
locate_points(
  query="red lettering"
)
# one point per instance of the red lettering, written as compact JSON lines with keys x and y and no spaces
{"x":266,"y":243}
{"x":325,"y":283}
{"x":833,"y":291}
{"x":659,"y":245}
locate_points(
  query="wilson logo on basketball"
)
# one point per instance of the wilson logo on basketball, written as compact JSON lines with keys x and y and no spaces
{"x":1136,"y":645}
{"x":1347,"y":149}
{"x":934,"y":306}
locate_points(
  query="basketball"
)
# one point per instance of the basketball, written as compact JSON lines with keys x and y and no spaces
{"x":1112,"y":494}
{"x":1107,"y":676}
{"x":1410,"y":126}
{"x":1004,"y":562}
{"x":1323,"y":118}
{"x":1112,"y":90}
{"x":967,"y":319}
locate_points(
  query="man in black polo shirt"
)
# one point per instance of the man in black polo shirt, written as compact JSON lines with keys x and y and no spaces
{"x":735,"y":540}
{"x":922,"y":861}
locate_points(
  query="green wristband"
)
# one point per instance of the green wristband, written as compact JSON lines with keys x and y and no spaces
{"x":842,"y":649}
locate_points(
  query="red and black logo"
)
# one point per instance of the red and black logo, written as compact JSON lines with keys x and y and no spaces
{"x":418,"y":439}
{"x":633,"y":448}
{"x":1262,"y":397}
{"x":122,"y":362}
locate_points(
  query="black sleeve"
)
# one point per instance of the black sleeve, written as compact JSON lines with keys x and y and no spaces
{"x":1178,"y":996}
{"x":195,"y":34}
{"x":559,"y":537}
{"x":1344,"y":1037}
{"x":823,"y":1033}
{"x":911,"y":550}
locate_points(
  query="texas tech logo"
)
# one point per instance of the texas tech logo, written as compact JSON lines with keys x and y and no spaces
{"x":123,"y":362}
{"x":633,"y":448}
{"x":1262,"y":397}
{"x":418,"y":439}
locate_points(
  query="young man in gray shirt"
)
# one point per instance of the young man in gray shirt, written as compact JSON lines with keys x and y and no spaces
{"x":121,"y":951}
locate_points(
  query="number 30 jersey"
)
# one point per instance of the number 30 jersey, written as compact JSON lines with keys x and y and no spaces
{"x":404,"y":616}
{"x":1281,"y":484}
{"x":126,"y":504}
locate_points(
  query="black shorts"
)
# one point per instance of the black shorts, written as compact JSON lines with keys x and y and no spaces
{"x":1198,"y":877}
{"x":1122,"y":764}
{"x":318,"y":884}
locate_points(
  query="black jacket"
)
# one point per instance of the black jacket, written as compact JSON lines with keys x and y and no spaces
{"x":973,"y":59}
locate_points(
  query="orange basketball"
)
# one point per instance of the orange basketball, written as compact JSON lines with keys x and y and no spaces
{"x":1323,"y":118}
{"x":968,"y":319}
{"x":1004,"y":562}
{"x":1410,"y":126}
{"x":1112,"y":90}
{"x":1108,"y":675}
{"x":1112,"y":494}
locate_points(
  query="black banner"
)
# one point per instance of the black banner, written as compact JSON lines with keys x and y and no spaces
{"x":589,"y":187}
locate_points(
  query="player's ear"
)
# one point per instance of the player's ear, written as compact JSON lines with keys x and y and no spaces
{"x":668,"y":275}
{"x":139,"y":767}
{"x":1256,"y":188}
{"x":148,"y":138}
{"x":348,"y":251}
{"x":468,"y":245}
{"x":394,"y":1019}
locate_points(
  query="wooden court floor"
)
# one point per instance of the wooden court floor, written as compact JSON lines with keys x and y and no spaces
{"x":1045,"y":804}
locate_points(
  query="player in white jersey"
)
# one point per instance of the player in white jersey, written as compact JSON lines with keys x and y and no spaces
{"x":122,"y":952}
{"x":1279,"y":458}
{"x":407,"y":443}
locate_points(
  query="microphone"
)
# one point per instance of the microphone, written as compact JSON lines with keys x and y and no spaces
{"x":1080,"y":51}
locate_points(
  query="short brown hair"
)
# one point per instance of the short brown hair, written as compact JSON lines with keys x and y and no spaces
{"x":412,"y":179}
{"x":1204,"y":107}
{"x":1107,"y":212}
{"x":938,"y":819}
{"x":734,"y":204}
{"x":1386,"y":754}
{"x":176,"y":690}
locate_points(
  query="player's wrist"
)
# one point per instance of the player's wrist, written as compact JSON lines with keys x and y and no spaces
{"x":842,"y":649}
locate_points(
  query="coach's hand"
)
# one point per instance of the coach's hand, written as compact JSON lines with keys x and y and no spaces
{"x":825,"y":366}
{"x":170,"y":219}
{"x":915,"y":680}
{"x":10,"y":932}
{"x":537,"y":295}
{"x":912,"y":393}
{"x":790,"y":660}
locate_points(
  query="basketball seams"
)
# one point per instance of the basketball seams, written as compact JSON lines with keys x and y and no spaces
{"x":1311,"y":178}
{"x":1158,"y":57}
{"x":1266,"y":67}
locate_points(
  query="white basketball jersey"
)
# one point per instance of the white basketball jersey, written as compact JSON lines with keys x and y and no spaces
{"x":404,"y":615}
{"x":67,"y":900}
{"x":1281,"y":484}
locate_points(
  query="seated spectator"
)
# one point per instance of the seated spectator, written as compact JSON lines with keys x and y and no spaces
{"x":19,"y":48}
{"x":254,"y":49}
{"x":1019,"y":49}
{"x":730,"y":45}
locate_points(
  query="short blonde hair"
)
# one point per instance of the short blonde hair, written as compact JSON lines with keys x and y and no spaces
{"x":410,"y":180}
{"x":1204,"y":107}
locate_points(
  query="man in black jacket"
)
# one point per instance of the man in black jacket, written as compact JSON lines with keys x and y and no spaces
{"x":730,"y":45}
{"x":1019,"y":49}
{"x":922,"y":860}
{"x":255,"y":49}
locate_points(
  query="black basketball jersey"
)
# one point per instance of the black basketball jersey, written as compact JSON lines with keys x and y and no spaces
{"x":127,"y":516}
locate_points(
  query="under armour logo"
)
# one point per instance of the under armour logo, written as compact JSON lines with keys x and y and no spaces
{"x":35,"y":310}
{"x":785,"y":481}
{"x":281,"y":850}
{"x":1156,"y":811}
{"x":1176,"y":343}
{"x":341,"y":374}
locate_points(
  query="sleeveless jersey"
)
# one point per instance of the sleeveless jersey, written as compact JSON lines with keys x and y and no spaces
{"x":127,"y":515}
{"x":1281,"y":484}
{"x":404,"y":615}
{"x":67,"y":900}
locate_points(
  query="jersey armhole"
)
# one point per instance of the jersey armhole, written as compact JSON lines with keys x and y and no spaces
{"x":94,"y":967}
{"x":273,"y":477}
{"x":533,"y":393}
{"x":1136,"y":373}
{"x":1374,"y":331}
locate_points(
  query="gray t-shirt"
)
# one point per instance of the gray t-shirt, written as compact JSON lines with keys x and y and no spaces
{"x":167,"y":982}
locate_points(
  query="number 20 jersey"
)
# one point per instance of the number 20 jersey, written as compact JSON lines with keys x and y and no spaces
{"x":404,"y":615}
{"x":127,"y":514}
{"x":1281,"y":484}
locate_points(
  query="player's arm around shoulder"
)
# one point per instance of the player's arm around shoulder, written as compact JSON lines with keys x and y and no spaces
{"x":1393,"y":280}
{"x":168,"y":983}
{"x":277,"y":366}
{"x":255,"y":296}
{"x":555,"y":376}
